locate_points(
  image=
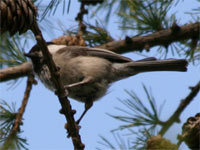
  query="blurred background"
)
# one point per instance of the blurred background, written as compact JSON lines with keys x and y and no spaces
{"x":110,"y":123}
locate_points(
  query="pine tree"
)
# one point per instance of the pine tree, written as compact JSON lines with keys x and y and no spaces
{"x":147,"y":27}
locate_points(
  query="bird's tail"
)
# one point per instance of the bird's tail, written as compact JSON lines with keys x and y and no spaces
{"x":125,"y":70}
{"x":159,"y":65}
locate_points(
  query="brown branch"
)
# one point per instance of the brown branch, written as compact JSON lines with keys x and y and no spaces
{"x":15,"y":72}
{"x":18,"y":121}
{"x":184,"y":103}
{"x":164,"y":37}
{"x":79,"y":18}
{"x":60,"y":91}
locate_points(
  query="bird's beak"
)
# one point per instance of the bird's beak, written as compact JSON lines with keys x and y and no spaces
{"x":31,"y":55}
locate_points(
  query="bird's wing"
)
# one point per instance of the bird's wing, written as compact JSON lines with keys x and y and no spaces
{"x":97,"y":52}
{"x":147,"y":59}
{"x":103,"y":53}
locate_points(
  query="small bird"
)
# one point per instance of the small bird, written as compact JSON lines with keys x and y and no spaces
{"x":87,"y":73}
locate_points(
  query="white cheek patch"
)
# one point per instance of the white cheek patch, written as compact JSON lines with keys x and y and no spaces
{"x":54,"y":48}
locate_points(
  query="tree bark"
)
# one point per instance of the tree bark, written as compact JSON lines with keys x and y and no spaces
{"x":15,"y":72}
{"x":163,"y":37}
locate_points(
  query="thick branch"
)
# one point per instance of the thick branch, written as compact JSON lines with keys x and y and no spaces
{"x":184,"y":103}
{"x":18,"y":121}
{"x":164,"y":37}
{"x":60,"y":91}
{"x":15,"y":72}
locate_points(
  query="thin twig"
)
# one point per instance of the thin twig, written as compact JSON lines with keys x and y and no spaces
{"x":79,"y":18}
{"x":184,"y":103}
{"x":60,"y":91}
{"x":18,"y":121}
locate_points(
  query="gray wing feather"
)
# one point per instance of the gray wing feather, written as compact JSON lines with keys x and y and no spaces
{"x":97,"y":52}
{"x":107,"y":55}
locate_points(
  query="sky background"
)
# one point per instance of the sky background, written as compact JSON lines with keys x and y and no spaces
{"x":44,"y":126}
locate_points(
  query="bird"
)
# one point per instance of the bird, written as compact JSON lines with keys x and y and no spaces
{"x":87,"y":73}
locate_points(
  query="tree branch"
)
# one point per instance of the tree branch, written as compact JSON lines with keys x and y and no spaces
{"x":163,"y":37}
{"x":184,"y":103}
{"x":60,"y":91}
{"x":79,"y":18}
{"x":18,"y":120}
{"x":15,"y":72}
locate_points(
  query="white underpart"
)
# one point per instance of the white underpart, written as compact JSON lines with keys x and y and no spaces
{"x":54,"y":48}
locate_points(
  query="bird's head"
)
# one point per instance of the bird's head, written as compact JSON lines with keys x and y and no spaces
{"x":35,"y":54}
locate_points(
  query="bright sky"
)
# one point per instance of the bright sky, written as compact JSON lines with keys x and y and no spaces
{"x":44,"y":126}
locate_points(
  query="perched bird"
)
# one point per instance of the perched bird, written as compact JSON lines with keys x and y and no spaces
{"x":88,"y":72}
